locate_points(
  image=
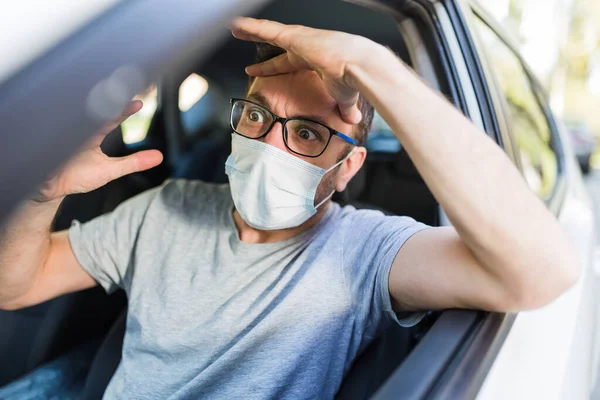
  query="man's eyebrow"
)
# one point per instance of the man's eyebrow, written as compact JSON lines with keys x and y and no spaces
{"x":259,"y":98}
{"x":316,"y":118}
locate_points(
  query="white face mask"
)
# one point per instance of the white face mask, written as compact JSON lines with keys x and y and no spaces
{"x":271,"y":188}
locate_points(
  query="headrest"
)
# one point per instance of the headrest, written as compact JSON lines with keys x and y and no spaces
{"x":398,"y":166}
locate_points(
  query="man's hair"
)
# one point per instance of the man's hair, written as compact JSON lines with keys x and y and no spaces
{"x":265,"y":52}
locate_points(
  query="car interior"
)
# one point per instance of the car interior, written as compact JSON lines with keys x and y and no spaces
{"x":186,"y":117}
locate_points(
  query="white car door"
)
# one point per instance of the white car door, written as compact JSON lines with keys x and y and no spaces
{"x":548,"y":353}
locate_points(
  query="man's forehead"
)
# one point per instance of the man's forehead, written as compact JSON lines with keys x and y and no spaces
{"x":298,"y":93}
{"x":259,"y":98}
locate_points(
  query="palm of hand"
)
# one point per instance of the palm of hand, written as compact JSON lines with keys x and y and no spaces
{"x":90,"y":168}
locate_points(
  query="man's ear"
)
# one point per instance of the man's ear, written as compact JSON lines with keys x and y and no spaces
{"x":350,"y":167}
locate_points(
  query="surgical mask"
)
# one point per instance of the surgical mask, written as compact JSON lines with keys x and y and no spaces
{"x":271,"y":188}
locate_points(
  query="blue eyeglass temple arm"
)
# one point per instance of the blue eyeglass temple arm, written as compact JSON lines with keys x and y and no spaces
{"x":346,"y":138}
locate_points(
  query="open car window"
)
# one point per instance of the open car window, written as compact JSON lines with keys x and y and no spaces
{"x":135,"y":128}
{"x":530,"y":128}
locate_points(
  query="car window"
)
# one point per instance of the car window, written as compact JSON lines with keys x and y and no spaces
{"x":195,"y":103}
{"x":135,"y":128}
{"x":191,"y":91}
{"x":526,"y":117}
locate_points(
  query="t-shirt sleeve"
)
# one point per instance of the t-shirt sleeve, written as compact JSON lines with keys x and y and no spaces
{"x":104,"y":246}
{"x":370,"y":247}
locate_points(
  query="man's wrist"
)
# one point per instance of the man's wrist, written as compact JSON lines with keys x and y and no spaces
{"x":30,"y":213}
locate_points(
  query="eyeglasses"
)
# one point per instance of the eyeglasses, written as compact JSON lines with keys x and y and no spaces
{"x":301,"y":136}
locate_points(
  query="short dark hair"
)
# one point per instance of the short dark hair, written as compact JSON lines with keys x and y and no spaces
{"x":265,"y":52}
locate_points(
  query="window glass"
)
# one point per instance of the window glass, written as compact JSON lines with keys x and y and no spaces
{"x":135,"y":128}
{"x":191,"y":91}
{"x":195,"y":103}
{"x":527,"y":120}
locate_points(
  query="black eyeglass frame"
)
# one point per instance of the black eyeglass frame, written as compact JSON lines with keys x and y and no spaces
{"x":283,"y":121}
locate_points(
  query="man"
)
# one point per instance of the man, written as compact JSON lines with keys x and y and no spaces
{"x":265,"y":288}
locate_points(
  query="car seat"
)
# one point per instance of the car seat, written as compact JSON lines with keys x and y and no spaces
{"x":390,"y":182}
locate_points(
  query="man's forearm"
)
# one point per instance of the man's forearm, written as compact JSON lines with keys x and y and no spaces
{"x":506,"y":227}
{"x":24,"y":246}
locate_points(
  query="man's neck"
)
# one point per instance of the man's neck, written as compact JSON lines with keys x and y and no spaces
{"x":248,"y":234}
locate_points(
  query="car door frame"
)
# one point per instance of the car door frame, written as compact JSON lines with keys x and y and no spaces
{"x":568,"y":194}
{"x":454,"y":356}
{"x":461,"y":371}
{"x":473,"y":368}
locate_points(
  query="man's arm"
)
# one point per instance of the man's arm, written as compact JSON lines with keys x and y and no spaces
{"x":37,"y":265}
{"x":506,"y":251}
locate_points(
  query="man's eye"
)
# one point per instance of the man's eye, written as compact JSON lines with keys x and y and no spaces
{"x":256,"y":116}
{"x":307,"y":134}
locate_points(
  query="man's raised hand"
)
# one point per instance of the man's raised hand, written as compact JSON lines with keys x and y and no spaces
{"x":326,"y":52}
{"x":90,"y":168}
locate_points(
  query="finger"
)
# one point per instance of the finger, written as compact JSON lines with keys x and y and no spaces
{"x":261,"y":30}
{"x":347,"y":102}
{"x":96,"y":140}
{"x":350,"y":113}
{"x":133,"y":107}
{"x":137,"y":162}
{"x":246,"y":37}
{"x":275,"y":66}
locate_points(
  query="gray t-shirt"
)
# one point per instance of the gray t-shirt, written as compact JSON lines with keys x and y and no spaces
{"x":213,"y":317}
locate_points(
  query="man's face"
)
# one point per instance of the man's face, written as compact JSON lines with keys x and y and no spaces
{"x":303,"y":94}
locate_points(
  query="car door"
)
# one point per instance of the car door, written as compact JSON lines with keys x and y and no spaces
{"x":548,"y":352}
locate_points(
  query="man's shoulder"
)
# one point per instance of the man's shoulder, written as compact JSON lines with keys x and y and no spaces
{"x":351,"y":214}
{"x":363,"y":221}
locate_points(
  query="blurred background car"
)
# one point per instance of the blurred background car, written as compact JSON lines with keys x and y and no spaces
{"x":583,"y":142}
